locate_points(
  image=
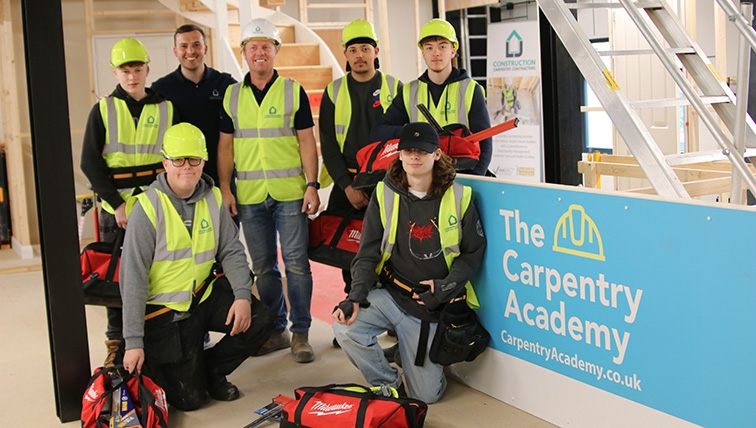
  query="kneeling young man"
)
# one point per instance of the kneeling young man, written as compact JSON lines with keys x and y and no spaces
{"x":421,"y":241}
{"x":171,"y":297}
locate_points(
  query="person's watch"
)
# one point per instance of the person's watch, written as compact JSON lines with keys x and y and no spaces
{"x":314,"y":184}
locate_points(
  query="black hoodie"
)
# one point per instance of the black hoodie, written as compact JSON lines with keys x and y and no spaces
{"x":417,"y":254}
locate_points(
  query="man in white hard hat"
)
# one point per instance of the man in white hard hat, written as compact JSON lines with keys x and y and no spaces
{"x":178,"y":229}
{"x":448,"y":92}
{"x":267,"y":132}
{"x":349,"y":108}
{"x":121,"y":150}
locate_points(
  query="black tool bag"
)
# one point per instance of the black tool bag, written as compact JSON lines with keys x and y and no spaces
{"x":459,"y":336}
{"x":99,"y":272}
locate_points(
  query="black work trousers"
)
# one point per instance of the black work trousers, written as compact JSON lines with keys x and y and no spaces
{"x":174,"y":354}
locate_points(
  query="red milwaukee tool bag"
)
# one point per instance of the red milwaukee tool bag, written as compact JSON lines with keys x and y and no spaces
{"x":335,"y":238}
{"x":374,"y":159}
{"x":115,"y":397}
{"x":453,"y":142}
{"x":99,"y":272}
{"x":351,"y":406}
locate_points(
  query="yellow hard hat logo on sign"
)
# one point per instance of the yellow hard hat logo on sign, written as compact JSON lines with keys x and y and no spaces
{"x":583,"y":238}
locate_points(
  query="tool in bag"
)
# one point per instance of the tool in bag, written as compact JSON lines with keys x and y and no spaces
{"x":352,"y":406}
{"x":335,"y":238}
{"x":99,"y":272}
{"x":117,"y":398}
{"x":459,"y":335}
{"x":271,"y":411}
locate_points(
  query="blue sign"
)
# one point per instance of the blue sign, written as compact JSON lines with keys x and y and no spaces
{"x":650,"y":300}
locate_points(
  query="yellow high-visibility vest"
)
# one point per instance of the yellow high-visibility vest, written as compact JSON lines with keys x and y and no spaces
{"x":338,"y":92}
{"x":454,"y":105}
{"x":266,"y":147}
{"x":453,"y":207}
{"x":128,"y":145}
{"x":181,"y":261}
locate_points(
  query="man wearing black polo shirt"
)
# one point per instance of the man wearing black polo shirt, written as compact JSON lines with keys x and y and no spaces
{"x":196,"y":90}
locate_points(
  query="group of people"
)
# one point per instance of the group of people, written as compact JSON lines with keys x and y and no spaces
{"x":174,"y":164}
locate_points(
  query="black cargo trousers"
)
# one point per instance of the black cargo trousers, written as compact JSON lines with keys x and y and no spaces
{"x":174,"y":354}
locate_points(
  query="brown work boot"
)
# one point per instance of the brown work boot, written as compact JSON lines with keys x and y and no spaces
{"x":279,"y":340}
{"x":301,"y":348}
{"x":112,"y":345}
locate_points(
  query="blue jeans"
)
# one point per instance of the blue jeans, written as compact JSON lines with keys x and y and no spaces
{"x":359,"y":342}
{"x":260,"y":222}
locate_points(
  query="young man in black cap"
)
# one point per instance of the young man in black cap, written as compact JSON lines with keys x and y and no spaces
{"x":433,"y":241}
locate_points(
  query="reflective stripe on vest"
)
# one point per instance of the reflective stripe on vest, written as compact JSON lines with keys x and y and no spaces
{"x":129,"y":145}
{"x":456,"y":100}
{"x":181,"y":261}
{"x":453,"y":206}
{"x":266,"y":147}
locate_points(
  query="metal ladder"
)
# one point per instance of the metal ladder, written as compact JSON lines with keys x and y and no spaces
{"x":467,"y":21}
{"x":679,"y":47}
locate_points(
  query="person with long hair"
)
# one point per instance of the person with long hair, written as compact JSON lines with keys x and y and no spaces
{"x":421,"y":241}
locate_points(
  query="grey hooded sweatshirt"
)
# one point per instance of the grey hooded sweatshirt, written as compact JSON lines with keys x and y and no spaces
{"x":139,"y":249}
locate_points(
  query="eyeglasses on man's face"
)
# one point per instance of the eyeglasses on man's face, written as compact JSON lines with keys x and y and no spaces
{"x":179,"y":162}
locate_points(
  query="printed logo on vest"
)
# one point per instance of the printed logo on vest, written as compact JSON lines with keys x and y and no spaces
{"x":448,"y":108}
{"x":205,"y":226}
{"x":272,"y":113}
{"x":151,"y":122}
{"x":452,"y":223}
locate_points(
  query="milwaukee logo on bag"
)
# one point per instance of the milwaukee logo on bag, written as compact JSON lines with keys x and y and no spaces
{"x":335,"y":238}
{"x":351,"y":406}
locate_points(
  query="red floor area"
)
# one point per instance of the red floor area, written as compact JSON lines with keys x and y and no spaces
{"x":327,"y":290}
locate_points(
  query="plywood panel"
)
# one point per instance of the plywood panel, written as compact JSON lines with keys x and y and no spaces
{"x":332,"y":38}
{"x":298,"y":54}
{"x":311,"y":77}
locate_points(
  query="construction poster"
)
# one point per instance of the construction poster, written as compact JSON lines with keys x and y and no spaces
{"x":514,"y":91}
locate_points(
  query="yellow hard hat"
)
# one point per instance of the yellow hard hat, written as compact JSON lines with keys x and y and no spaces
{"x":260,"y":28}
{"x":184,"y":140}
{"x":358,"y":29}
{"x":438,"y":28}
{"x":128,"y":50}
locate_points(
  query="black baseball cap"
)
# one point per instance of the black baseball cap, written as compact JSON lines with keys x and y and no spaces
{"x":419,"y":135}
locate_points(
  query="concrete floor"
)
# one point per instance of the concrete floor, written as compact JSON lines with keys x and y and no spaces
{"x":27,"y":395}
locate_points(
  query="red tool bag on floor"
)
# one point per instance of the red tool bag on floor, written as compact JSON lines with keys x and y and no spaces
{"x":115,"y":397}
{"x":99,"y":272}
{"x":351,"y":406}
{"x":335,"y":238}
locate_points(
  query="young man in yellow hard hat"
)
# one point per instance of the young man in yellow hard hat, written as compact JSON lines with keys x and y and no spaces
{"x":267,"y":133}
{"x":178,"y":229}
{"x":349,"y":108}
{"x":121,"y":149}
{"x":448,"y":92}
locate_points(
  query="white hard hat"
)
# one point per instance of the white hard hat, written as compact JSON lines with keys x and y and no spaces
{"x":260,"y":28}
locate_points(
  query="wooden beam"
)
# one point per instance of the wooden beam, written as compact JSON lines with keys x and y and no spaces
{"x":698,"y":188}
{"x":14,"y":146}
{"x":384,"y":37}
{"x":128,"y":12}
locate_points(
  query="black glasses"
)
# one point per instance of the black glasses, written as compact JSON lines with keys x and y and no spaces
{"x":179,"y":162}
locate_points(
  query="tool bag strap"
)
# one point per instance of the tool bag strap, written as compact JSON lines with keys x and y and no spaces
{"x":116,"y":255}
{"x":376,"y":151}
{"x":422,"y":343}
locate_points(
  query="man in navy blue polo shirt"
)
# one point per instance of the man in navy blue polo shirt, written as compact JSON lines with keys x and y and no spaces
{"x":196,"y":90}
